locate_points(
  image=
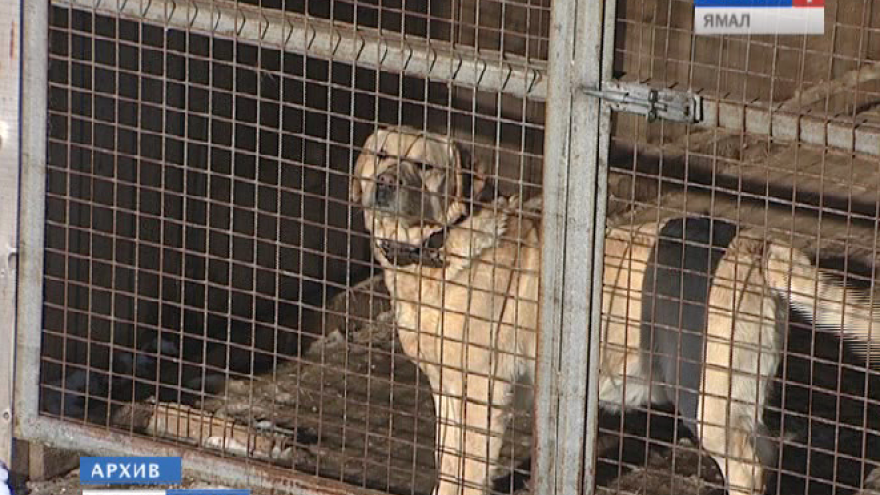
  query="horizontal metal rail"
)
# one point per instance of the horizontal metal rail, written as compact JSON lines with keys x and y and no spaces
{"x":367,"y":47}
{"x":199,"y":464}
{"x":440,"y":60}
{"x":816,"y":130}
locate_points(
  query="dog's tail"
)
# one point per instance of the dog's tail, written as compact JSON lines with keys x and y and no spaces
{"x":815,"y":294}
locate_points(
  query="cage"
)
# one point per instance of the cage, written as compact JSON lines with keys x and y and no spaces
{"x":300,"y":244}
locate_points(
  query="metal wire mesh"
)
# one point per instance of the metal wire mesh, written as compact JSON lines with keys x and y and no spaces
{"x":797,"y":180}
{"x":208,"y":282}
{"x":511,"y":28}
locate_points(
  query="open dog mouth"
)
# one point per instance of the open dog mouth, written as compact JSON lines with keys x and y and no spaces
{"x":428,"y":254}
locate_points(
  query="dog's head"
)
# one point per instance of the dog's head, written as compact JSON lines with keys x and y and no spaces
{"x":413,"y":184}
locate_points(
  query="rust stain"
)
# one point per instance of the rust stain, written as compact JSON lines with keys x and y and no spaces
{"x":12,"y":41}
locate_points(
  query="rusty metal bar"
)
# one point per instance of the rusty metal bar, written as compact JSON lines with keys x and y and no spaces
{"x":486,"y":70}
{"x":196,"y":463}
{"x":31,"y":213}
{"x":547,"y":468}
{"x":574,"y":192}
{"x":791,"y":127}
{"x":605,"y":42}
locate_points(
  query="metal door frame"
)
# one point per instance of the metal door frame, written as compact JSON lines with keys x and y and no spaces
{"x":577,"y":137}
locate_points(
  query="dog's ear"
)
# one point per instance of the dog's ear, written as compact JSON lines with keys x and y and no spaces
{"x":365,"y":161}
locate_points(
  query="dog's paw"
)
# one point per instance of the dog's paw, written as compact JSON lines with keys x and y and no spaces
{"x":4,"y":480}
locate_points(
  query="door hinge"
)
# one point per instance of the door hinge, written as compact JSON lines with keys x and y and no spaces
{"x":666,"y":104}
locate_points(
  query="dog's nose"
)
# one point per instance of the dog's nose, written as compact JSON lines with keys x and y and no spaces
{"x":385,"y":186}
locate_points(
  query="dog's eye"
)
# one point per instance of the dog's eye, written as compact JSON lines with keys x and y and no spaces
{"x":424,"y":166}
{"x":381,"y":155}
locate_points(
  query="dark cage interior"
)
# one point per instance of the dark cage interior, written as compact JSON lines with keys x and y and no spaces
{"x":201,"y":249}
{"x":206,"y":270}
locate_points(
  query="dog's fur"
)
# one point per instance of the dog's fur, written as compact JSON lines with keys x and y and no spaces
{"x":466,"y":305}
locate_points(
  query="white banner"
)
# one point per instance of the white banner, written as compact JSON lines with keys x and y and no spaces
{"x":759,"y":20}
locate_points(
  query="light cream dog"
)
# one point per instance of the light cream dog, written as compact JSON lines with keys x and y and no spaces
{"x":462,"y":268}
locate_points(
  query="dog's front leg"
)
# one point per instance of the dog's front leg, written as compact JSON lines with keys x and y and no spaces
{"x":471,"y":426}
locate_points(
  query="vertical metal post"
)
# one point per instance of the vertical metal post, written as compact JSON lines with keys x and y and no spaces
{"x":10,"y":74}
{"x":574,"y":206}
{"x":31,"y":216}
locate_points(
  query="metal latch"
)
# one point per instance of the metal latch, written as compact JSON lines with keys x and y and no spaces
{"x":677,"y":106}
